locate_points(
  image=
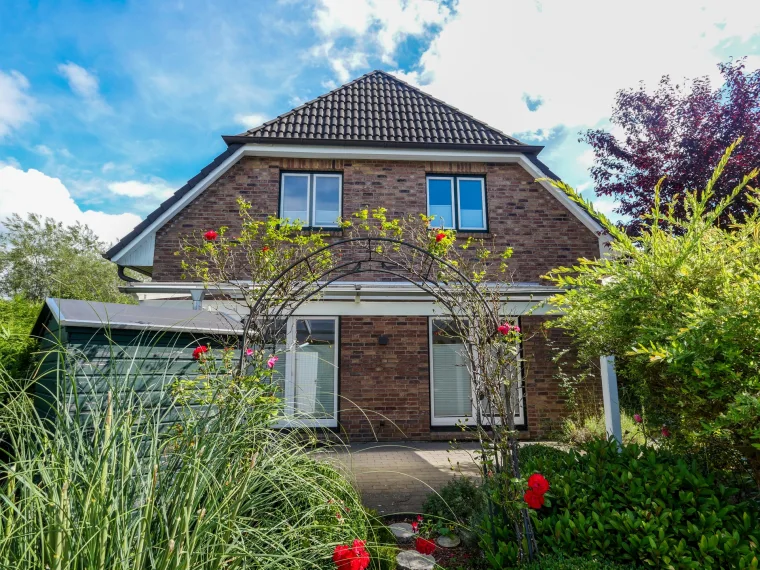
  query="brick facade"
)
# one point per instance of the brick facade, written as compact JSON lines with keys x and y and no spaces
{"x":521,"y":214}
{"x":385,"y":390}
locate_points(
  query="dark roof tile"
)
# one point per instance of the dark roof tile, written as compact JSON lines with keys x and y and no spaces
{"x":378,"y":108}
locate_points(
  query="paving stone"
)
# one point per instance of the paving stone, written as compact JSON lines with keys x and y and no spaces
{"x":413,"y":560}
{"x":448,"y":541}
{"x":403,"y":532}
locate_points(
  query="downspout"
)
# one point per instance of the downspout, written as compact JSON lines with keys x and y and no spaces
{"x":123,"y":276}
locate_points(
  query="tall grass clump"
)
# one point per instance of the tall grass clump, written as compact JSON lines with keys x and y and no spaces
{"x":114,"y":485}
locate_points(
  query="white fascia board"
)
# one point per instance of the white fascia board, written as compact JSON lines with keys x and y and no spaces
{"x":358,"y":153}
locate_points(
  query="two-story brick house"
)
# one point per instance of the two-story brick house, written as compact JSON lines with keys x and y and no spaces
{"x":378,"y":141}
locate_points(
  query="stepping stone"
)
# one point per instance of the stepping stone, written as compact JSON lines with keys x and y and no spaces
{"x":448,"y":541}
{"x":413,"y":560}
{"x":403,"y":532}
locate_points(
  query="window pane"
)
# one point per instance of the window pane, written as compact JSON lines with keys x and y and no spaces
{"x":326,"y":200}
{"x":295,"y":197}
{"x":452,"y":392}
{"x":440,"y":202}
{"x":315,"y":368}
{"x":471,"y":210}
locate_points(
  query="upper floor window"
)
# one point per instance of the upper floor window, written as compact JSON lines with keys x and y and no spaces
{"x":312,"y":198}
{"x":457,"y":202}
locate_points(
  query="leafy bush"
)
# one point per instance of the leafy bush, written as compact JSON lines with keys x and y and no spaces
{"x":593,"y":427}
{"x":459,"y":500}
{"x":679,"y":306}
{"x":559,"y":562}
{"x":109,"y":486}
{"x":644,"y":506}
{"x":17,"y":317}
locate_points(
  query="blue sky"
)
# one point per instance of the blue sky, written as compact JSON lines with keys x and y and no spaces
{"x":107,"y":107}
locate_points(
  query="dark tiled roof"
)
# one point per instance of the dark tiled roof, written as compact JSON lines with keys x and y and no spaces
{"x":378,"y":109}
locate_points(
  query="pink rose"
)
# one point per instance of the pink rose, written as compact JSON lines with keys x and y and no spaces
{"x":272,"y":361}
{"x":637,"y":418}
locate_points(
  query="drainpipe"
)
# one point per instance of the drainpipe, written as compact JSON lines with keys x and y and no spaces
{"x":197,"y":295}
{"x":123,"y":276}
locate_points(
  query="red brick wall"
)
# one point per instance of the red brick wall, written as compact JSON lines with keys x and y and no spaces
{"x":385,"y":390}
{"x":521,"y":214}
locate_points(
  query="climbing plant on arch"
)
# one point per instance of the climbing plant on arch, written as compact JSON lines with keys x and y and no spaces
{"x":272,"y":267}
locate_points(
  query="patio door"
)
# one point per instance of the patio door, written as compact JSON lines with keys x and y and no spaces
{"x":307,"y":371}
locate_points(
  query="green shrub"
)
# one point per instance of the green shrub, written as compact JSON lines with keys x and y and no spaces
{"x":17,"y":316}
{"x":645,"y":506}
{"x":459,"y":500}
{"x":534,"y":451}
{"x":559,"y":562}
{"x":593,"y":427}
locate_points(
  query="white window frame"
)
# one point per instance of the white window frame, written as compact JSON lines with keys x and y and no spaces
{"x":288,"y":419}
{"x":483,"y":201}
{"x":451,"y":421}
{"x":311,"y":189}
{"x":453,"y":203}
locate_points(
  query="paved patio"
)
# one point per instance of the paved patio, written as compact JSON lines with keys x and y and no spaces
{"x":396,"y":477}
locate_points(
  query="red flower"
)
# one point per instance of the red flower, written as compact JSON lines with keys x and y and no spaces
{"x":516,"y":329}
{"x":210,"y":235}
{"x":637,"y":418}
{"x":354,"y":557}
{"x":265,"y":248}
{"x":424,"y":546}
{"x":439,"y":236}
{"x":503,"y":329}
{"x":419,"y":518}
{"x":665,"y":432}
{"x":538,"y":483}
{"x":415,"y":525}
{"x":534,"y":500}
{"x":198,"y":351}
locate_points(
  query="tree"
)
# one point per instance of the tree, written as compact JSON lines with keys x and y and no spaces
{"x":679,"y":131}
{"x":679,"y":306}
{"x":42,"y":258}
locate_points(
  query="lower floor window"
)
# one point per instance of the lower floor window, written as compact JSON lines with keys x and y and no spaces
{"x":307,"y":370}
{"x":452,"y":397}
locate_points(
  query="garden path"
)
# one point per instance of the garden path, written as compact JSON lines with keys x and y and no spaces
{"x":396,"y":477}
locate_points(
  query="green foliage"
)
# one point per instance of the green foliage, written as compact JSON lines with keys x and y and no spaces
{"x":593,"y":428}
{"x":459,"y":500}
{"x":679,"y":306}
{"x":644,"y":506}
{"x":41,"y":258}
{"x":17,"y":316}
{"x":559,"y":562}
{"x":112,"y":488}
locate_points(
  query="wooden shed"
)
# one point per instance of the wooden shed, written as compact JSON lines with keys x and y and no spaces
{"x":90,"y":348}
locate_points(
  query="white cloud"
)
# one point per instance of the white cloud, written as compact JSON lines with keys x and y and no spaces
{"x":607,"y":206}
{"x":250,"y":120}
{"x":136,"y":189}
{"x":84,"y":84}
{"x":16,"y":105}
{"x":382,"y":24}
{"x":23,"y":192}
{"x":574,"y":55}
{"x":586,"y":158}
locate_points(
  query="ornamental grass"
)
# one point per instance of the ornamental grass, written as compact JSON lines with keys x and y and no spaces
{"x":117,"y":483}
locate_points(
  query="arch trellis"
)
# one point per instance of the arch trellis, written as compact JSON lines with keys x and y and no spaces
{"x":476,"y":317}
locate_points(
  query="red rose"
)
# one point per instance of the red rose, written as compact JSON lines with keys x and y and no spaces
{"x":538,"y":483}
{"x":210,"y":235}
{"x":534,"y":500}
{"x":424,"y":546}
{"x":265,"y":248}
{"x":665,"y":432}
{"x":354,"y":557}
{"x":439,"y":236}
{"x":198,"y":351}
{"x":503,"y":329}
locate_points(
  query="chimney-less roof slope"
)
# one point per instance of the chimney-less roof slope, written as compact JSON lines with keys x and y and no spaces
{"x":378,"y":109}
